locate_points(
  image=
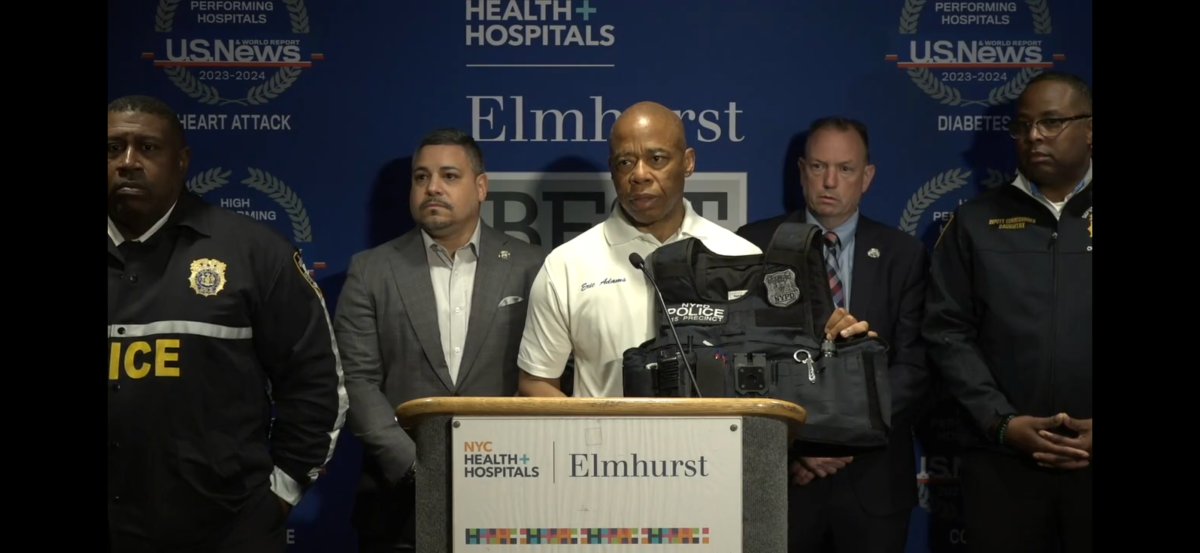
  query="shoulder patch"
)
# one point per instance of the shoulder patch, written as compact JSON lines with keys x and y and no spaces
{"x":304,"y":272}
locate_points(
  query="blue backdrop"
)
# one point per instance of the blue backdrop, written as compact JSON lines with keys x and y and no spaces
{"x":304,"y":114}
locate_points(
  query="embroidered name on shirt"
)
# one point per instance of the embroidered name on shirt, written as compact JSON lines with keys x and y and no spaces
{"x":609,"y":280}
{"x":1011,"y":223}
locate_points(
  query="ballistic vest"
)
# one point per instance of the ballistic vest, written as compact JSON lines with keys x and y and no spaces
{"x":753,"y":326}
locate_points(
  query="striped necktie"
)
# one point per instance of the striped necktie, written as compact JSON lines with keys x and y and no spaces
{"x":832,"y":243}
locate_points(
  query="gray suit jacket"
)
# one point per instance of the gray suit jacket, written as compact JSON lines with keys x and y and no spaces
{"x":387,"y":334}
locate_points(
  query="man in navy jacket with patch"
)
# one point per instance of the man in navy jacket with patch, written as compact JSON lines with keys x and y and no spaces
{"x":1009,"y":325}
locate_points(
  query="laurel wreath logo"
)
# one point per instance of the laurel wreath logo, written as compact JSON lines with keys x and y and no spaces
{"x":164,"y":21}
{"x":928,"y":193}
{"x":275,"y":189}
{"x":262,"y":181}
{"x":910,"y":16}
{"x":1041,"y":16}
{"x":207,"y":181}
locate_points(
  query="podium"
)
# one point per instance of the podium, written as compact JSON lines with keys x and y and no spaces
{"x":619,"y":472}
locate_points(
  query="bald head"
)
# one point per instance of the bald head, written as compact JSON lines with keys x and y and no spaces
{"x":649,"y":160}
{"x":649,"y":118}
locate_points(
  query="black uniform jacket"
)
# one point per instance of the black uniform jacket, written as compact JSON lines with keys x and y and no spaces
{"x":207,"y":319}
{"x":1009,"y":307}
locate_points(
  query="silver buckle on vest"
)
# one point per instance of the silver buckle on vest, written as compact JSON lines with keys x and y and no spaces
{"x":807,"y":360}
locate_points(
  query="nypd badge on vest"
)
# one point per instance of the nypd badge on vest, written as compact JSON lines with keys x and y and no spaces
{"x":781,"y":288}
{"x":697,"y":314}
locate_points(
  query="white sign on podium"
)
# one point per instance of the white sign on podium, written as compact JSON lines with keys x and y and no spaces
{"x":561,"y":483}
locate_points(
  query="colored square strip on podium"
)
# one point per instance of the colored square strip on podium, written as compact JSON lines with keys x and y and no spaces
{"x":587,"y":536}
{"x":523,"y":536}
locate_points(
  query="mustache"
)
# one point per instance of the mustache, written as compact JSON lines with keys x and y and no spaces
{"x":436,"y":201}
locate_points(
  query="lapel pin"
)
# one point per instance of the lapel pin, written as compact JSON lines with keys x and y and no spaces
{"x":873,"y":253}
{"x":504,"y":254}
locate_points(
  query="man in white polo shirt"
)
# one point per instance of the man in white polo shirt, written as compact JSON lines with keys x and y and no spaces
{"x":588,"y":299}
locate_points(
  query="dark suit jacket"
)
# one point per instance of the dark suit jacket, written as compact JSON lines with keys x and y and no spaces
{"x":888,"y":292}
{"x":387,"y":334}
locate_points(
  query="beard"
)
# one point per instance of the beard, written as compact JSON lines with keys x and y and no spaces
{"x":435,"y":222}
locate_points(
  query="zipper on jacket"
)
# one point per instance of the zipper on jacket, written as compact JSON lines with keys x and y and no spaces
{"x":1053,"y":310}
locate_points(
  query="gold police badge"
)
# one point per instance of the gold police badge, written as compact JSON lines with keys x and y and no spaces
{"x":208,"y":277}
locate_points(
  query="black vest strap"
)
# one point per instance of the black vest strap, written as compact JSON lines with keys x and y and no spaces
{"x":689,"y":263}
{"x":672,"y":262}
{"x":793,"y":245}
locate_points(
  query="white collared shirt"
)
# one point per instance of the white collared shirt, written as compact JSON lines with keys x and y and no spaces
{"x":117,"y":238}
{"x":588,"y":299}
{"x":453,"y":280}
{"x":1055,"y":207}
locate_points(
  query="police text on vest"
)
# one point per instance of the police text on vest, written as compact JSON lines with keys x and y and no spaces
{"x":697,"y":313}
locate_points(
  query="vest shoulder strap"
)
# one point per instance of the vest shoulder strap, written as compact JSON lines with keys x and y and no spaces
{"x":791,"y":243}
{"x":799,"y":244}
{"x":672,"y":260}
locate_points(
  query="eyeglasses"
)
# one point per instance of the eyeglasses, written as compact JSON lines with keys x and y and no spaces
{"x":1049,"y":128}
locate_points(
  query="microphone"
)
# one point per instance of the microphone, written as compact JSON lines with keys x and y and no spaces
{"x":640,"y":264}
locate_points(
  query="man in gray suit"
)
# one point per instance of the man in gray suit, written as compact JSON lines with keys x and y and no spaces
{"x":438,"y":311}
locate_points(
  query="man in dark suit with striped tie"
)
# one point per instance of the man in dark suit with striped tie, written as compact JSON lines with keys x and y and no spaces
{"x":858,"y":502}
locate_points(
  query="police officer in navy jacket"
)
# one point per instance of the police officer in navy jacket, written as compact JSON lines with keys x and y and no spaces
{"x":1009,"y":326}
{"x":211,"y":316}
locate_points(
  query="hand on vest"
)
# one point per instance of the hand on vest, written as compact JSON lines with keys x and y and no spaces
{"x":807,"y":468}
{"x":843,"y":325}
{"x":1081,"y":442}
{"x":1027,"y":435}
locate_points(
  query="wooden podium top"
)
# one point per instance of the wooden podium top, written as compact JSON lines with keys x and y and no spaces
{"x":411,"y":413}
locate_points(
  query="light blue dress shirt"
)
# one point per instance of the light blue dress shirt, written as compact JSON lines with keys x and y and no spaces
{"x":845,"y":233}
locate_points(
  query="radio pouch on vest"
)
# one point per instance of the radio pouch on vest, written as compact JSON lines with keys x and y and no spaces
{"x":749,"y":328}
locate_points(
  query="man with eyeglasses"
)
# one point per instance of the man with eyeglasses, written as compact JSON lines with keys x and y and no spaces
{"x":1009,"y":328}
